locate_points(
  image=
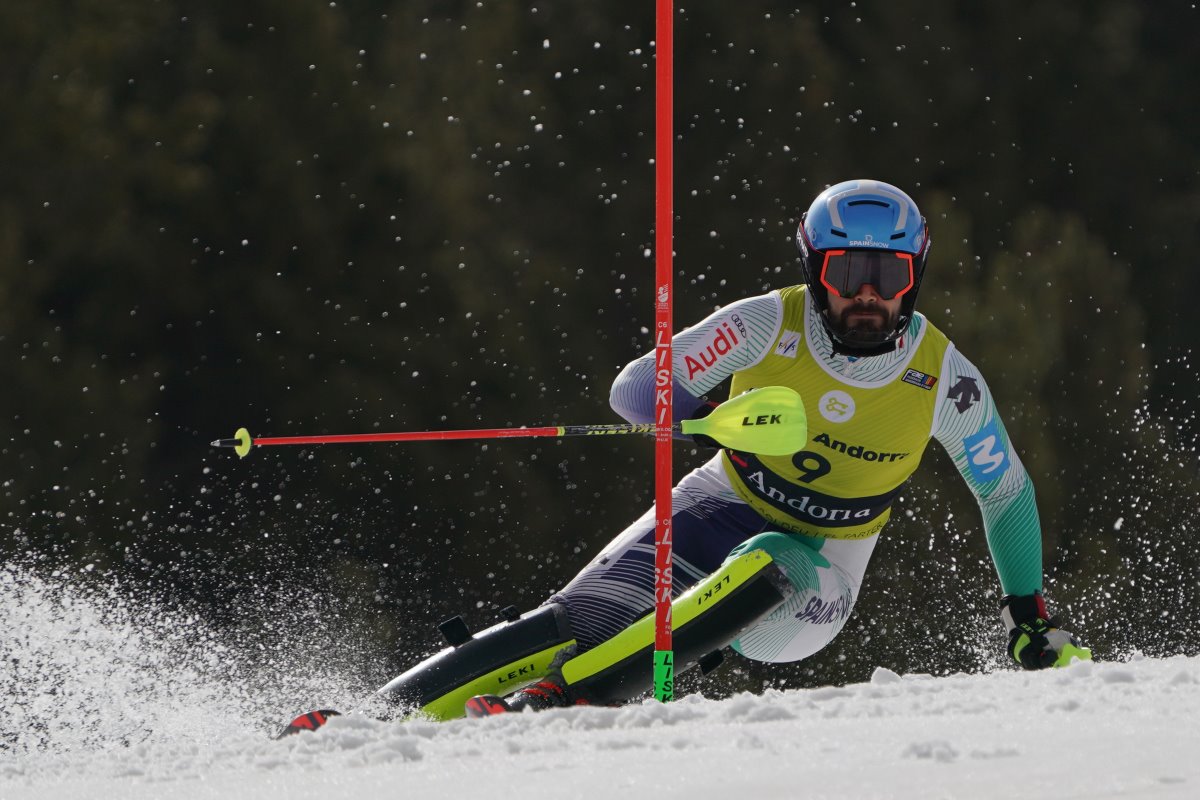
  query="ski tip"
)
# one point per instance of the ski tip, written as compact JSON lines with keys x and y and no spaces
{"x":308,"y":722}
{"x":486,"y":705}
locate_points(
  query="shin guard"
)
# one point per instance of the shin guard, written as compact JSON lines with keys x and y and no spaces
{"x":499,"y":660}
{"x":705,"y":619}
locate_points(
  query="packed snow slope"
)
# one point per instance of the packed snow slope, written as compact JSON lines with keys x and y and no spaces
{"x":1126,"y":730}
{"x":105,"y":694}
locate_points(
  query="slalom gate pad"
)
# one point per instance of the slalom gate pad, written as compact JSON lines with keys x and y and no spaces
{"x":496,"y":661}
{"x":706,"y":618}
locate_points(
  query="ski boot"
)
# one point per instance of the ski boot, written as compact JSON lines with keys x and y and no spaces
{"x":308,"y":722}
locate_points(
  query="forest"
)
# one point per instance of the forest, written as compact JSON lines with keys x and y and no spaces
{"x":365,"y":216}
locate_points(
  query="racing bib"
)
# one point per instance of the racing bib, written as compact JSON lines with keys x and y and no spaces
{"x":866,"y":437}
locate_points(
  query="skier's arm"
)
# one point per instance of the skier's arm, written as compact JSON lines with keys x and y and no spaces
{"x":968,"y":426}
{"x":966,"y":423}
{"x":733,"y":338}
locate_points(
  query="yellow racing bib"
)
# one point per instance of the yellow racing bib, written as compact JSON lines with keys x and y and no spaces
{"x":866,"y":435}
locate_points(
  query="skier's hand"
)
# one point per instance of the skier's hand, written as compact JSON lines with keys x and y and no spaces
{"x":1035,"y":640}
{"x":699,"y":438}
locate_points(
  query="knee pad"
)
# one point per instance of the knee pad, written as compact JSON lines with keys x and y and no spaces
{"x":499,"y":660}
{"x":814,"y":613}
{"x":796,"y":558}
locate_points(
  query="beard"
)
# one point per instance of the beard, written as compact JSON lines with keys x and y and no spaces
{"x":863,"y":325}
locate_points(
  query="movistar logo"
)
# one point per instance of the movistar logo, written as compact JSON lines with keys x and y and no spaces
{"x":987,"y":453}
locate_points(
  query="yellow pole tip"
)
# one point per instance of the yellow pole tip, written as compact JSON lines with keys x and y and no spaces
{"x":242,"y":448}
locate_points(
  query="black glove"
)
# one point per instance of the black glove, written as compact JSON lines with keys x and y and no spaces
{"x":699,"y":438}
{"x":1034,"y":639}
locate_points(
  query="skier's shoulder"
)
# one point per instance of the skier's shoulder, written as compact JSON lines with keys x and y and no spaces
{"x":769,"y":304}
{"x":945,"y":346}
{"x":753,"y":318}
{"x":923,"y":331}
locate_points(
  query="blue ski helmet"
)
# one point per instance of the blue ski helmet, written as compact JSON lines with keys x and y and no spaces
{"x":862,"y":218}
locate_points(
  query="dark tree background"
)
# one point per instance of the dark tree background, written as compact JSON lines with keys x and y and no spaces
{"x":309,"y":217}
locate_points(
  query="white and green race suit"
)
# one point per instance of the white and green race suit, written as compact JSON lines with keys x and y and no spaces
{"x":870,"y":420}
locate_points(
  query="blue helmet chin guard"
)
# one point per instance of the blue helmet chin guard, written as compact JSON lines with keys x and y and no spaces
{"x":862,"y":215}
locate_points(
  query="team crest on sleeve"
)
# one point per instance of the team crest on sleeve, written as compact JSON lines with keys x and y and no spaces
{"x":987,"y":456}
{"x":789,"y":344}
{"x":918,"y":378}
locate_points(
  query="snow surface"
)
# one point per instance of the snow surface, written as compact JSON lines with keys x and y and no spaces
{"x":1093,"y":730}
{"x":106,"y":699}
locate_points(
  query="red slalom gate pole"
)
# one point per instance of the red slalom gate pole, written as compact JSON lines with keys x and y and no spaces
{"x":664,"y":656}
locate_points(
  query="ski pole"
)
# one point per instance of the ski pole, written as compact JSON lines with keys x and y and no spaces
{"x":767,"y":421}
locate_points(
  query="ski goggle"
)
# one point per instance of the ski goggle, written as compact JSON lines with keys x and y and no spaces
{"x":844,"y":271}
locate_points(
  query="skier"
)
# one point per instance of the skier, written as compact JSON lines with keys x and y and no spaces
{"x":780,"y":542}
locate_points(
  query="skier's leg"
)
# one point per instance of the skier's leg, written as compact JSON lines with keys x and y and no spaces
{"x":704,"y":619}
{"x":796,"y":604}
{"x":617,"y":588}
{"x":508,"y":657}
{"x":609,"y":596}
{"x":716,"y":596}
{"x":822,"y":578}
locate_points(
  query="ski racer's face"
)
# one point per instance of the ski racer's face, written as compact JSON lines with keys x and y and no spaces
{"x":866,"y":314}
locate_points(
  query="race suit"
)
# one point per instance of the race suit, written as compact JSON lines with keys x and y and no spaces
{"x":870,"y":420}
